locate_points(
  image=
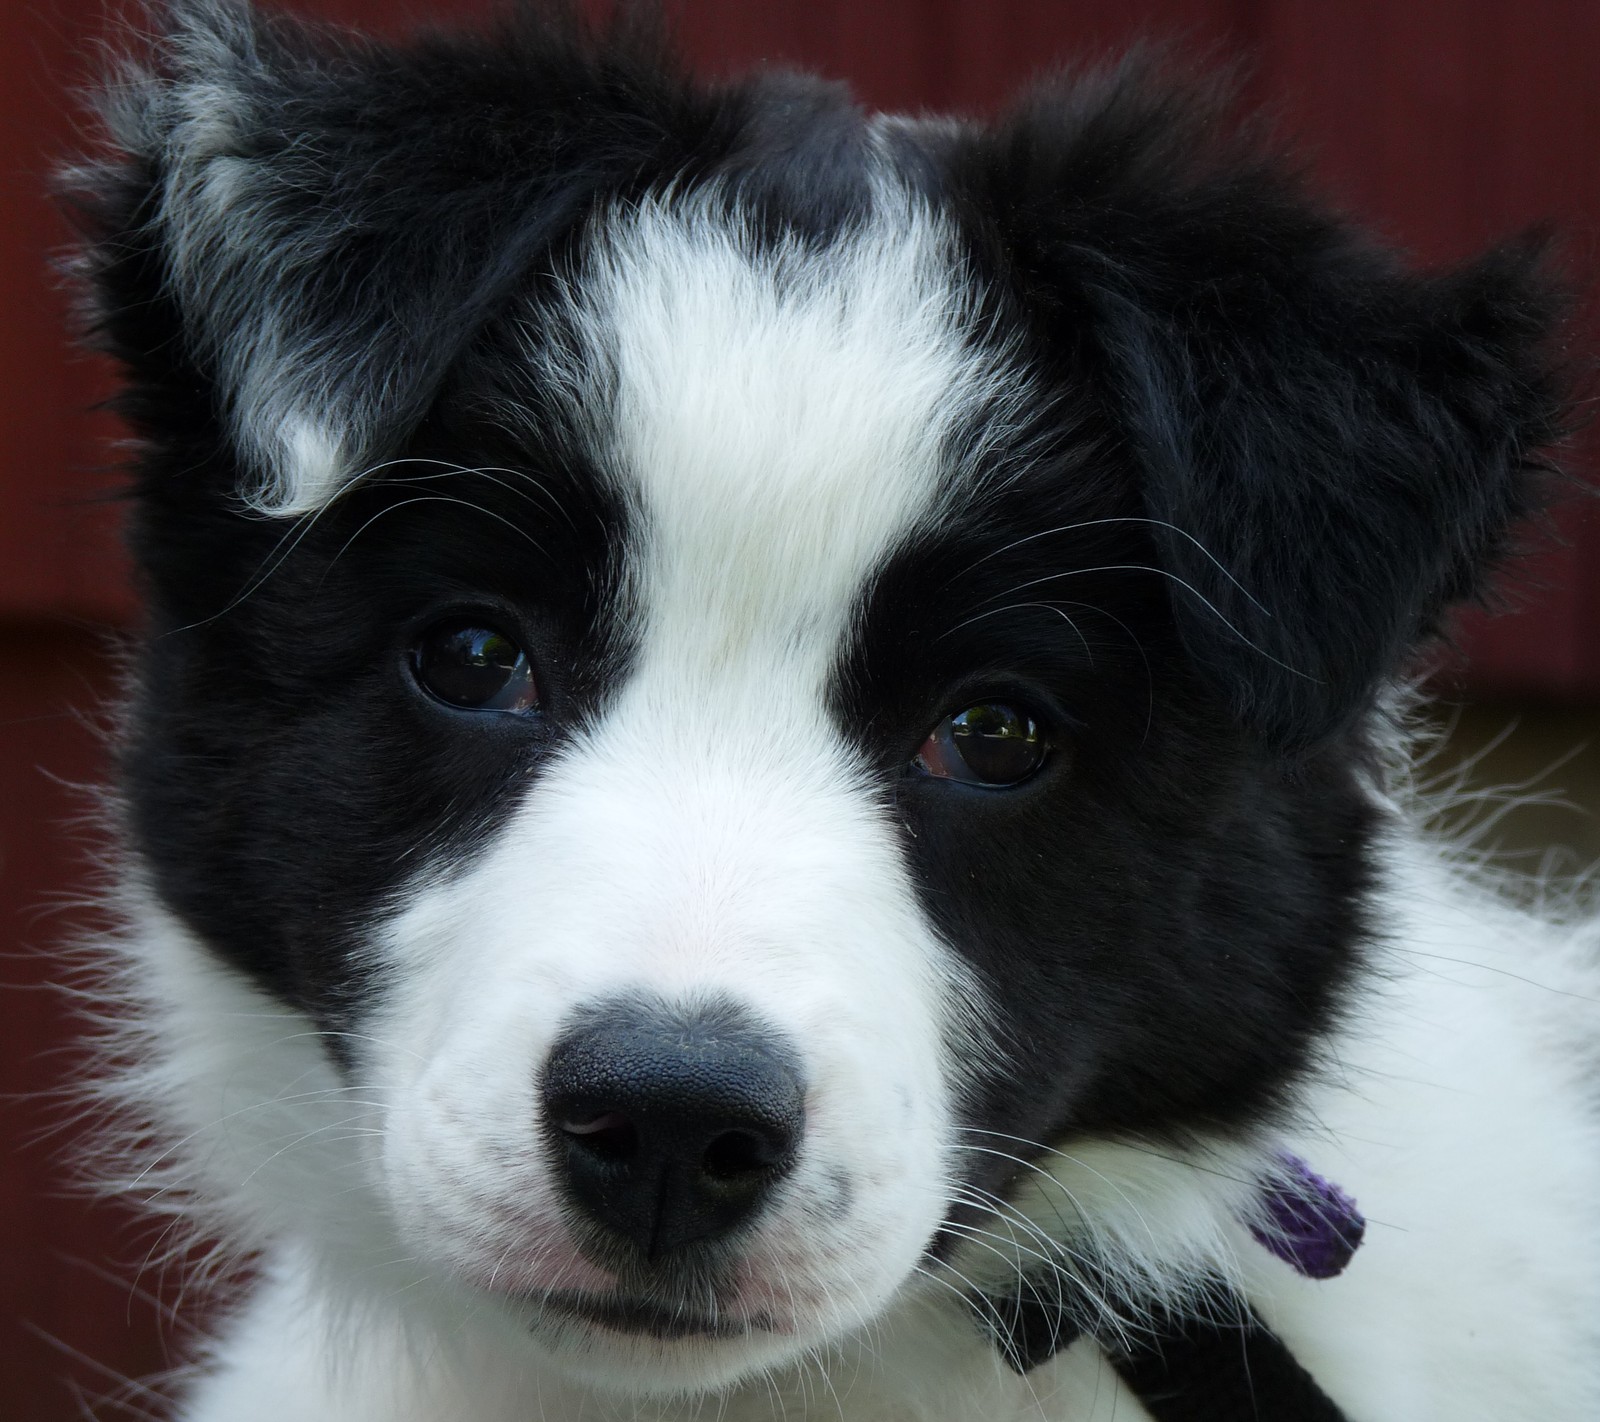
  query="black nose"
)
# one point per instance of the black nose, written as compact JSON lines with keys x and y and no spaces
{"x":672,"y":1126}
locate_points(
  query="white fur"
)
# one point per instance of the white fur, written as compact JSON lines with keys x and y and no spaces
{"x":707,"y":838}
{"x":1458,"y":1109}
{"x":776,"y":428}
{"x":1461,"y":1110}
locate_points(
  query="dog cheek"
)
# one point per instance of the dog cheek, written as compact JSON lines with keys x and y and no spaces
{"x":882,"y":1130}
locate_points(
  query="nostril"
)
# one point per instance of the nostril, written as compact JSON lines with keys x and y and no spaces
{"x":671,"y":1127}
{"x":735,"y":1155}
{"x":611,"y":1136}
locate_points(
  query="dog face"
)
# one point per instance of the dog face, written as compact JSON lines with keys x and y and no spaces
{"x":742,"y":672}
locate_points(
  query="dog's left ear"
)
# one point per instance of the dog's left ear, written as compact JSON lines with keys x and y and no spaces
{"x":1332,"y":449}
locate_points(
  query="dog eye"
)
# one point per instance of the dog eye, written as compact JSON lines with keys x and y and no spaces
{"x":992,"y":744}
{"x":478,"y":668}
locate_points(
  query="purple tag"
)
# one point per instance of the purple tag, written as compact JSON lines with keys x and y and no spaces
{"x":1309,"y":1222}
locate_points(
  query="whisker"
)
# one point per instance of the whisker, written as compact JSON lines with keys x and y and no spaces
{"x":1018,"y":606}
{"x":1138,"y":1147}
{"x":1078,"y":527}
{"x":434,"y":499}
{"x":1172,"y":577}
{"x":302,"y":526}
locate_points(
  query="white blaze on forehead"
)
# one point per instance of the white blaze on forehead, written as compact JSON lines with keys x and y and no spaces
{"x":776,"y":423}
{"x":779,"y":422}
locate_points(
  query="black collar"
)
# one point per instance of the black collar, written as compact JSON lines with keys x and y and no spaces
{"x":1215,"y":1360}
{"x":1224,"y":1365}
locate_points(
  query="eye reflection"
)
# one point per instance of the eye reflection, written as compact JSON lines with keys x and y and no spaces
{"x":991,"y":744}
{"x":476,"y":668}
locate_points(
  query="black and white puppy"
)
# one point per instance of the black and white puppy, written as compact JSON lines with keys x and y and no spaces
{"x":765,"y":731}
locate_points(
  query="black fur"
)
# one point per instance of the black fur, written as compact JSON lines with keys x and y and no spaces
{"x":1337,"y":446}
{"x":1271,"y":458}
{"x":435,"y":189}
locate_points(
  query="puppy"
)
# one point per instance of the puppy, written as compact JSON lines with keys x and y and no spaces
{"x":764,"y":776}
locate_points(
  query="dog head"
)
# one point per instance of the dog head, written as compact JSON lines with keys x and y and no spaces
{"x":726,"y":675}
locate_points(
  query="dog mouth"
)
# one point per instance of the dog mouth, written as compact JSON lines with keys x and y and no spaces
{"x":650,"y":1318}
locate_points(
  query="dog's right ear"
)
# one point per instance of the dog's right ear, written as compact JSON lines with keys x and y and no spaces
{"x":297,"y":230}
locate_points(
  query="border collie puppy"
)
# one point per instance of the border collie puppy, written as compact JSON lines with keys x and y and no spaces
{"x":762,"y":782}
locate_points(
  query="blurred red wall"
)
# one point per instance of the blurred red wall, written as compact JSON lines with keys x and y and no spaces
{"x":1446,"y":123}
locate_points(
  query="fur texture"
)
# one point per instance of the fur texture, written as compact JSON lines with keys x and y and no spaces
{"x":773,"y":438}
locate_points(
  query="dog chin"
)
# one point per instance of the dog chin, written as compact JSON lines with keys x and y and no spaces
{"x":635,"y":1348}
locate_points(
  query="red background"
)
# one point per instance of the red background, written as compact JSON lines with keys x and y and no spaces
{"x":1446,"y":123}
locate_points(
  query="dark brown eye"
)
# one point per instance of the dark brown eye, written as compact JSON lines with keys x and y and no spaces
{"x":477,"y":668}
{"x":992,"y":744}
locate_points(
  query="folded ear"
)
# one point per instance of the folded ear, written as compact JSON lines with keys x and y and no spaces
{"x":298,"y":230}
{"x":1332,"y":448}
